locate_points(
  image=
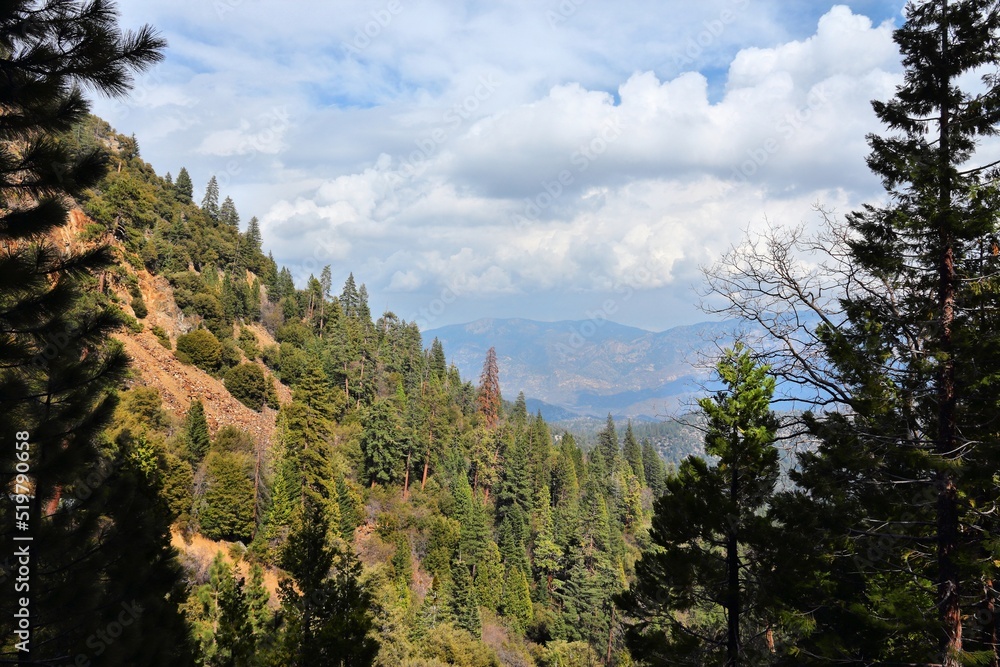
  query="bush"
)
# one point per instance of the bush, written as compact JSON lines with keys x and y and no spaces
{"x":271,"y":357}
{"x":139,"y":307}
{"x":202,"y":348}
{"x":162,"y":336}
{"x":248,"y":385}
{"x":230,"y":354}
{"x":232,"y":440}
{"x":248,"y":343}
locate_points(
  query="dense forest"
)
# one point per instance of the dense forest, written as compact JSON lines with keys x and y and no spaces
{"x":383,"y":510}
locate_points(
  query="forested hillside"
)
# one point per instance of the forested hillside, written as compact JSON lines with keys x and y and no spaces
{"x":457,"y":528}
{"x":211,"y":464}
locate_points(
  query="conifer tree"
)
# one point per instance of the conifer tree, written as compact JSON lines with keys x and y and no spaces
{"x":607,"y":444}
{"x":633,"y":454}
{"x":259,"y":613}
{"x":438,"y":363}
{"x":489,"y":577}
{"x":515,"y":602}
{"x":184,"y":186}
{"x":547,"y":554}
{"x":196,"y":429}
{"x":902,"y":475}
{"x":654,"y":469}
{"x":232,"y":634}
{"x":463,"y":599}
{"x":326,"y":609}
{"x":89,"y":555}
{"x":712,"y":535}
{"x":489,"y":400}
{"x":210,"y":202}
{"x":227,"y":511}
{"x":228,"y":214}
{"x":381,"y":444}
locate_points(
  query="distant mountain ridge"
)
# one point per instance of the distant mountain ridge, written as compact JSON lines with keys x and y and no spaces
{"x":588,"y":367}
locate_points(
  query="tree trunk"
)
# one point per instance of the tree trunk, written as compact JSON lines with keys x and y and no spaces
{"x":991,"y":626}
{"x":406,"y":478}
{"x":947,"y":505}
{"x":733,"y":584}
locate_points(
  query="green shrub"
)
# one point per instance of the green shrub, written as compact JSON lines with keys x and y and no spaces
{"x":232,"y":440}
{"x":248,"y":343}
{"x":162,"y":336}
{"x":202,"y":348}
{"x":271,"y":356}
{"x":248,"y":385}
{"x":231,"y":355}
{"x":139,"y":307}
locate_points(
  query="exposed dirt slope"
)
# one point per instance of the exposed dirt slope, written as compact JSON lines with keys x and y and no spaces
{"x":179,"y":384}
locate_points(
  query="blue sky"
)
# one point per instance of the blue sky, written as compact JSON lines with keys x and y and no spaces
{"x":553,"y":159}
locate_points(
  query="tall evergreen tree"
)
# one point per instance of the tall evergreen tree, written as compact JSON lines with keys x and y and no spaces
{"x":228,"y":214}
{"x":326,"y":609}
{"x":381,"y":444}
{"x":654,"y":468}
{"x":910,"y":465}
{"x":92,"y":551}
{"x":489,"y":399}
{"x":196,"y":430}
{"x":463,"y":599}
{"x":210,"y":202}
{"x":633,"y":454}
{"x":184,"y":186}
{"x":712,"y":536}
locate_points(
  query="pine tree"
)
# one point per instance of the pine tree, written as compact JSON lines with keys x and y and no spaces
{"x":547,"y":554}
{"x":184,"y":186}
{"x":489,"y":399}
{"x":438,"y":363}
{"x":326,"y":608}
{"x":210,"y":202}
{"x":463,"y":599}
{"x":196,"y":429}
{"x":607,"y":444}
{"x":654,"y":469}
{"x":233,"y":638}
{"x":228,"y":214}
{"x":381,"y":444}
{"x":349,"y":299}
{"x":633,"y":454}
{"x":712,"y":536}
{"x":89,"y":555}
{"x":515,"y":602}
{"x":259,"y":613}
{"x":489,"y":577}
{"x":908,"y":467}
{"x":227,"y":511}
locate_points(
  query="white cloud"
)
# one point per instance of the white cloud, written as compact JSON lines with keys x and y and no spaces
{"x":476,"y":149}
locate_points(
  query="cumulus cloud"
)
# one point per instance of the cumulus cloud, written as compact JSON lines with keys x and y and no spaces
{"x":495,"y":153}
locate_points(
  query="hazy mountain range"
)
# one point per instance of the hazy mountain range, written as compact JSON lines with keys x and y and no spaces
{"x":588,"y":368}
